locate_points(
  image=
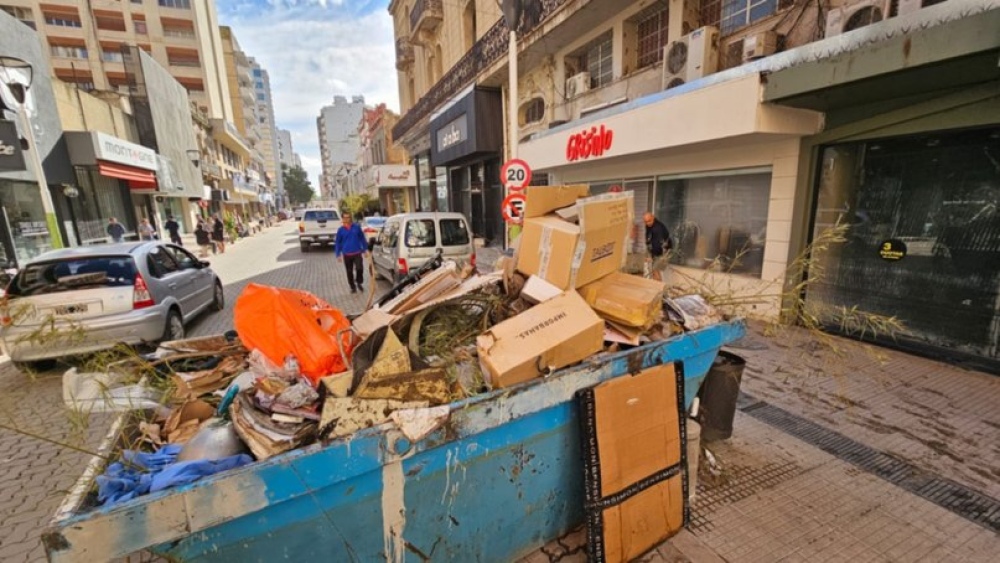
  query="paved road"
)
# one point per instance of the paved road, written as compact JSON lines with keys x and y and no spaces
{"x":782,"y":496}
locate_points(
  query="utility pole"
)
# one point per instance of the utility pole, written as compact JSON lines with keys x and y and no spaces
{"x":512,"y":14}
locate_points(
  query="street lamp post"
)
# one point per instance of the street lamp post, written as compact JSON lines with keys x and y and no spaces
{"x":512,"y":14}
{"x":16,"y":76}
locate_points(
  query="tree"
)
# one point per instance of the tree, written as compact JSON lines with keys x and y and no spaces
{"x":297,"y":184}
{"x":357,"y":204}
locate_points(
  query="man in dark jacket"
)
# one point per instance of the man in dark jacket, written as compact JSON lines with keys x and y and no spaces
{"x":174,"y":228}
{"x":657,"y":243}
{"x":350,"y":247}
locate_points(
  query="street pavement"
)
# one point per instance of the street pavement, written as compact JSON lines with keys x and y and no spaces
{"x":862,"y":455}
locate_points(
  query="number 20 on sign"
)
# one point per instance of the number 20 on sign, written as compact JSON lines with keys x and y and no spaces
{"x":515,"y":174}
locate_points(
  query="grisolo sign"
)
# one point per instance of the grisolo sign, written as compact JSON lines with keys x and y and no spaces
{"x":116,"y":150}
{"x":589,"y":143}
{"x":11,"y":157}
{"x":453,"y":133}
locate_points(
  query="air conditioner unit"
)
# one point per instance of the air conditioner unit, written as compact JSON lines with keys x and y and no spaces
{"x":577,"y":84}
{"x":856,"y":15}
{"x":759,"y":45}
{"x":691,"y":57}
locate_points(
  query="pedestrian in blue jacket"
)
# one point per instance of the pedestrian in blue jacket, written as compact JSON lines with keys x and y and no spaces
{"x":351,"y":247}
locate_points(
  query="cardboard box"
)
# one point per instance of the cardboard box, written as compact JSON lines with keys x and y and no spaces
{"x":552,"y":335}
{"x":536,"y":290}
{"x":572,"y":255}
{"x":634,"y":466}
{"x":542,"y":200}
{"x":626,"y":299}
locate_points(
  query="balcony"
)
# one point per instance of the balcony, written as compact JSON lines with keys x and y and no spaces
{"x":404,"y":53}
{"x":425,"y":18}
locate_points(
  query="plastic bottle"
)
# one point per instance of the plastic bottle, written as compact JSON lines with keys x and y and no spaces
{"x":292,"y":369}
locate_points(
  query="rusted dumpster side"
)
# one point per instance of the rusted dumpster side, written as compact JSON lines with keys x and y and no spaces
{"x":499,"y":479}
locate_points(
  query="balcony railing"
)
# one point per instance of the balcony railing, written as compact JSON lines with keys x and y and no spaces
{"x":426,"y":15}
{"x":488,"y":50}
{"x":404,"y":53}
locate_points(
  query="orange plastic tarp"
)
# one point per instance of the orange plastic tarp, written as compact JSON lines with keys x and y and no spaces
{"x":279,"y":322}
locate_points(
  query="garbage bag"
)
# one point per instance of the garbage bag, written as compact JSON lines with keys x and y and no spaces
{"x":279,"y":322}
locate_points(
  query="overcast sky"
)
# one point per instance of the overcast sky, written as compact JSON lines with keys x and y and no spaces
{"x":314,"y":50}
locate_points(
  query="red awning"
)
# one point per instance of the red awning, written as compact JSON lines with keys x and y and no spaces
{"x":137,"y":178}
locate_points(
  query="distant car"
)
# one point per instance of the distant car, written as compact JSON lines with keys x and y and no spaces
{"x":318,"y":226}
{"x":86,"y":299}
{"x":372,"y":226}
{"x":298,"y":213}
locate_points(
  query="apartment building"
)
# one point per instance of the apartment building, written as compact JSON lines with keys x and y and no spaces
{"x":85,"y":40}
{"x":268,"y":128}
{"x":388,"y":177}
{"x":286,"y":151}
{"x":749,"y":128}
{"x":339,"y":143}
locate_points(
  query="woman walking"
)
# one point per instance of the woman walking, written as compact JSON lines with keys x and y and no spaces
{"x":219,"y":234}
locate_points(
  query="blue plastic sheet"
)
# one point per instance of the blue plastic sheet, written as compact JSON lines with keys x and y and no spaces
{"x":144,"y":473}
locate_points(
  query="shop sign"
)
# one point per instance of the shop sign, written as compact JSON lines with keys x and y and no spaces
{"x":455,"y":132}
{"x":11,"y":157}
{"x":116,"y":150}
{"x":892,"y":250}
{"x":394,"y":175}
{"x":590,"y":143}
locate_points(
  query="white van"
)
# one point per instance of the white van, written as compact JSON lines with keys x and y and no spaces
{"x":410,"y":239}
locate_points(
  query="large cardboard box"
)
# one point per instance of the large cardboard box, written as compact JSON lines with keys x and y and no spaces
{"x":626,"y":299}
{"x":542,"y":200}
{"x":634,"y":452}
{"x":552,"y":335}
{"x":570,"y":255}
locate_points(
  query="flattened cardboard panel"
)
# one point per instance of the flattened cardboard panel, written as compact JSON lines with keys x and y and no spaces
{"x":634,"y":447}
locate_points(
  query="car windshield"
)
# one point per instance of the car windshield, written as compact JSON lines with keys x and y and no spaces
{"x":374,"y":222}
{"x":77,"y":273}
{"x":420,"y":233}
{"x":454,"y":232}
{"x":320,"y":215}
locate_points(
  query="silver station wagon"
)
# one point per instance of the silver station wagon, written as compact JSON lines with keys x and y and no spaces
{"x":87,"y":299}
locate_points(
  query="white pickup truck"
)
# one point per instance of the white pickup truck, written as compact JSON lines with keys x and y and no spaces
{"x":318,"y":226}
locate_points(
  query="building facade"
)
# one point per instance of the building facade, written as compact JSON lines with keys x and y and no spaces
{"x":268,"y":130}
{"x":750,"y":129}
{"x":339,"y":144}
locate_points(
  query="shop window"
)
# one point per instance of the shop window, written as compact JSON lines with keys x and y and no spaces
{"x":651,"y":36}
{"x":420,"y":234}
{"x":935,"y":199}
{"x":26,"y":219}
{"x":532,"y":111}
{"x":716,"y":222}
{"x":740,"y":13}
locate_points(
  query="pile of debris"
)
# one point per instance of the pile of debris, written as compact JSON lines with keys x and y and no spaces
{"x":297,"y":370}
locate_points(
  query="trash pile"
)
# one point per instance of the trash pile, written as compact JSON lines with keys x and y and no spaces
{"x":297,"y":370}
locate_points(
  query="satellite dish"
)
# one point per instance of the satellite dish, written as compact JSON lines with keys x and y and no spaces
{"x":512,"y":13}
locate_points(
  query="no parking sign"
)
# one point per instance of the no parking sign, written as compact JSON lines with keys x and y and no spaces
{"x":512,"y":209}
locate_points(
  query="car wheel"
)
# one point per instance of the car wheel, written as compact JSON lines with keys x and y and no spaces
{"x":304,"y":246}
{"x":218,"y":297}
{"x":174,"y":329}
{"x":36,"y":366}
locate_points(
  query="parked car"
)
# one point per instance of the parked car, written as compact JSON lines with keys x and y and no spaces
{"x":410,"y":239}
{"x":372,"y":226}
{"x":85,"y":299}
{"x":318,"y":226}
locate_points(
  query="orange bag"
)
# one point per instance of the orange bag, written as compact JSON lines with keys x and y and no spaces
{"x":279,"y":321}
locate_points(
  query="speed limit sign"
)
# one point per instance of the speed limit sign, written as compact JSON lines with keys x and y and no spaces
{"x":515,"y":174}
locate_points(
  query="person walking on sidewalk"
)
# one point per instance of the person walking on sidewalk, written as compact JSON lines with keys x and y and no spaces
{"x":115,"y":230}
{"x":146,"y":230}
{"x":202,"y":239}
{"x":174,"y":228}
{"x":350,"y":247}
{"x":219,"y":234}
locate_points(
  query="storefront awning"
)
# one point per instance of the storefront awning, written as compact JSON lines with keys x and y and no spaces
{"x":137,"y":178}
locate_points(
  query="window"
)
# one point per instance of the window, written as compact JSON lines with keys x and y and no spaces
{"x":454,"y":232}
{"x":716,"y":222}
{"x":62,"y":20}
{"x":112,"y":56}
{"x":420,"y":233}
{"x":190,"y":60}
{"x":320,"y":215}
{"x":137,"y":1}
{"x":739,"y":13}
{"x":185,"y":260}
{"x":259,"y":84}
{"x":161,"y":263}
{"x":68,"y":51}
{"x":182,"y":32}
{"x":71,"y":275}
{"x":140,"y":27}
{"x":651,"y":36}
{"x":597,"y":61}
{"x":390,"y":234}
{"x":109,"y":23}
{"x":180,"y":4}
{"x":532,"y":111}
{"x":261,"y":97}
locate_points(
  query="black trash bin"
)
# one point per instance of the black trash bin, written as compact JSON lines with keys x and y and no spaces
{"x":718,"y":396}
